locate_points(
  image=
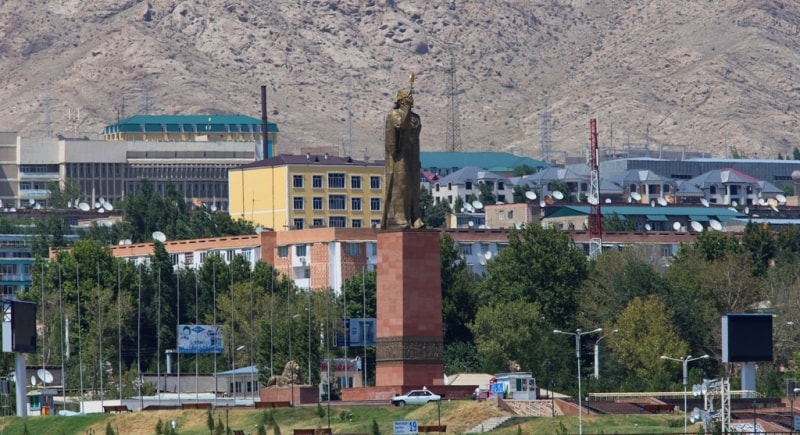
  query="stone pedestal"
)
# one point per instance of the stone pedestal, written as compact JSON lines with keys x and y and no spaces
{"x":409,"y":348}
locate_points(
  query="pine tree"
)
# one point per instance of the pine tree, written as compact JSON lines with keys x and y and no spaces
{"x":375,"y":429}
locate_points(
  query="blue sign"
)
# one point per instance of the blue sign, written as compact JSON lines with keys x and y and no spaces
{"x":406,"y":427}
{"x":203,"y":339}
{"x":498,"y":388}
{"x":357,"y":332}
{"x":796,"y":422}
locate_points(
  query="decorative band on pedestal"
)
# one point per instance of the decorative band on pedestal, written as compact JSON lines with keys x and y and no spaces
{"x":410,"y":350}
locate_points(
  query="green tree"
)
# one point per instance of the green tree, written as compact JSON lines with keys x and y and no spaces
{"x":458,"y":204}
{"x":615,"y":222}
{"x":759,"y":241}
{"x":375,"y":429}
{"x":523,"y":170}
{"x":645,"y":332}
{"x":486,"y":196}
{"x":459,"y":297}
{"x":63,"y":196}
{"x":437,"y":217}
{"x":539,"y":265}
{"x":795,"y":153}
{"x":519,"y":191}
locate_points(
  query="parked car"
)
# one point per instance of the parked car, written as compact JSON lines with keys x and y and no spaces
{"x":416,"y":397}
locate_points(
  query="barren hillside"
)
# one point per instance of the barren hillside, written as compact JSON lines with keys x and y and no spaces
{"x":708,"y":74}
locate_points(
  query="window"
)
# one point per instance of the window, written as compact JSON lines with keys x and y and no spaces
{"x":283,"y":251}
{"x":298,"y":224}
{"x":352,"y":248}
{"x":355,"y":204}
{"x":501,"y":185}
{"x":316,"y":203}
{"x":297,"y":181}
{"x":336,"y":180}
{"x":318,"y":223}
{"x":666,"y":251}
{"x":510,"y":214}
{"x":466,"y":248}
{"x":316,"y":182}
{"x":468,"y":185}
{"x":337,"y":202}
{"x":374,"y":223}
{"x":501,"y":215}
{"x":356,"y":223}
{"x":298,"y":202}
{"x":375,"y":204}
{"x":300,"y":250}
{"x":355,"y":182}
{"x":337,"y":221}
{"x":374,"y":182}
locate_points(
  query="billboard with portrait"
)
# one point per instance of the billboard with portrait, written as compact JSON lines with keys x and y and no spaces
{"x":203,"y":339}
{"x":357,"y":332}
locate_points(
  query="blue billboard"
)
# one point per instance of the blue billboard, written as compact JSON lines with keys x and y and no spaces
{"x":357,"y":332}
{"x":203,"y":339}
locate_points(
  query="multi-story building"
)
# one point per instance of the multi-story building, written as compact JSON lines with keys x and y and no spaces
{"x":160,"y":149}
{"x":308,"y":191}
{"x":466,"y":183}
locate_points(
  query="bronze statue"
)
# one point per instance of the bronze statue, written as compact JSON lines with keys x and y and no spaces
{"x":401,"y":204}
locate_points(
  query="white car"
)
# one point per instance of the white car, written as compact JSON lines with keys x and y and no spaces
{"x":416,"y":397}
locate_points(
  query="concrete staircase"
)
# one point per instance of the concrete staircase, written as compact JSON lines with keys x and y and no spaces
{"x":490,"y":424}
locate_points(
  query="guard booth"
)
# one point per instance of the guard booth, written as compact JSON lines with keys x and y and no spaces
{"x":40,"y":402}
{"x":517,"y":386}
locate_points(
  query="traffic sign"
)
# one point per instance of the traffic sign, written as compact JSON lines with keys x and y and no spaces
{"x":406,"y":427}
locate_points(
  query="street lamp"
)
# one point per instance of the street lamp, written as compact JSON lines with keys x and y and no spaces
{"x":578,"y":333}
{"x":597,"y":354}
{"x":685,"y":361}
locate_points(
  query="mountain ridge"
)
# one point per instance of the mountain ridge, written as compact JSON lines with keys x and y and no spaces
{"x":710,"y":75}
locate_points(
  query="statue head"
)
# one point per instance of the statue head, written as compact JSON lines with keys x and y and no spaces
{"x":401,"y":95}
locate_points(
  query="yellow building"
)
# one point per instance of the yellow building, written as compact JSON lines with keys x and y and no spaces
{"x":307,"y":191}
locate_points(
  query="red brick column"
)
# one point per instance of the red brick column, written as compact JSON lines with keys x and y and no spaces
{"x":409,"y":337}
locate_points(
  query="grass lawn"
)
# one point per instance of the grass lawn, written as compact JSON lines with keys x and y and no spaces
{"x":459,"y":416}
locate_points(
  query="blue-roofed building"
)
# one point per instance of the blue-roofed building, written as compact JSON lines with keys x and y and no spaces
{"x":209,"y":128}
{"x":466,"y":182}
{"x":445,"y":163}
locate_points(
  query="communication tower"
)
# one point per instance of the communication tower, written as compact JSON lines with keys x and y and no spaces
{"x":595,"y":215}
{"x":547,"y":129}
{"x":453,"y":133}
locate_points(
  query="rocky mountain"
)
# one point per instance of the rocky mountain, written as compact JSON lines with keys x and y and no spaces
{"x":710,"y":75}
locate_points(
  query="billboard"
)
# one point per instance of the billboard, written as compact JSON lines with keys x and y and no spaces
{"x":357,"y":332}
{"x":202,"y":339}
{"x":19,"y":326}
{"x":746,"y":337}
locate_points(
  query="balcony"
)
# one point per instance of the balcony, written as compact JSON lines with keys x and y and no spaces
{"x":34,"y":193}
{"x":52,"y":176}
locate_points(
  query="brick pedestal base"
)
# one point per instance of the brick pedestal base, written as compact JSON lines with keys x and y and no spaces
{"x":409,"y":347}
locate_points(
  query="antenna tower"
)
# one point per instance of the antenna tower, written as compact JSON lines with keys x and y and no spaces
{"x":47,"y":109}
{"x":147,"y":99}
{"x":547,"y":129}
{"x":595,"y":215}
{"x":349,"y":149}
{"x":453,"y":133}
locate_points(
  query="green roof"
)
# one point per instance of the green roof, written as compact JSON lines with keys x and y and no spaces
{"x":199,"y":124}
{"x":490,"y":161}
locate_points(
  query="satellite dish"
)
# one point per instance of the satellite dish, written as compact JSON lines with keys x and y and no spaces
{"x":45,"y":376}
{"x":128,"y":241}
{"x":558,"y":195}
{"x":488,"y":255}
{"x":652,"y":203}
{"x":733,"y":209}
{"x":121,"y":243}
{"x":33,"y":380}
{"x":482,"y":227}
{"x":84,"y":206}
{"x":773,"y":207}
{"x":259,"y":229}
{"x":31,"y":201}
{"x":106,"y":223}
{"x":761,"y":201}
{"x":69,"y":204}
{"x":676,"y":226}
{"x":715,"y":225}
{"x":159,"y":236}
{"x":37,"y":206}
{"x":477,"y":204}
{"x":542,"y":203}
{"x":101,"y":210}
{"x":468,"y":207}
{"x":97,"y":204}
{"x":75,"y":203}
{"x":471,"y":224}
{"x":647,"y":227}
{"x":608,"y":201}
{"x":213,"y":208}
{"x":12,"y":210}
{"x":772,"y":202}
{"x":747,"y":210}
{"x":636,"y":196}
{"x":518,"y":225}
{"x":704,"y":202}
{"x":592,"y":200}
{"x":101,"y":200}
{"x":108,"y":206}
{"x":530,"y":195}
{"x":734,"y":203}
{"x":482,"y":260}
{"x":781,"y":199}
{"x":662,"y":202}
{"x":697,"y":227}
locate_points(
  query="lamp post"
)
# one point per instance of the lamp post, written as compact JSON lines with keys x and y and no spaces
{"x":597,"y":354}
{"x":578,"y":334}
{"x":685,"y":361}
